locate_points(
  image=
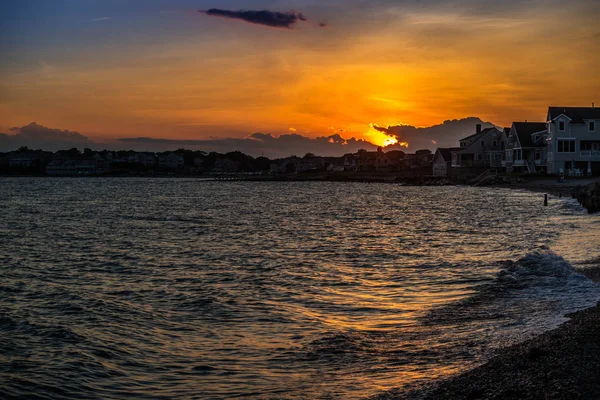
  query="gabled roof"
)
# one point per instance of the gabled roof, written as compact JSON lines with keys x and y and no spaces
{"x":525,"y":130}
{"x":483,"y":132}
{"x":507,"y":131}
{"x":577,"y":115}
{"x":445,"y":153}
{"x":489,"y":130}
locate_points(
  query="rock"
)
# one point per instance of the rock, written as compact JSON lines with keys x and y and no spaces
{"x":588,"y":196}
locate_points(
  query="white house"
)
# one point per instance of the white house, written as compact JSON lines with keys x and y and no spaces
{"x":573,"y":140}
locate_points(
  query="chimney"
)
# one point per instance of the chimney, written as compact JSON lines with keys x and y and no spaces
{"x":592,"y":105}
{"x":478,"y":126}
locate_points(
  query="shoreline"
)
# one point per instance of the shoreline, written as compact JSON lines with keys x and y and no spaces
{"x":562,"y":363}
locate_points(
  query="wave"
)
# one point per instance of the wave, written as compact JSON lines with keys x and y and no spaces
{"x":528,"y":296}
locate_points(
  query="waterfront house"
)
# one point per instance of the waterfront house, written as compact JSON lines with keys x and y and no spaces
{"x":442,"y":161}
{"x":484,"y":149}
{"x":573,"y":140}
{"x":306,"y":164}
{"x":147,"y":159}
{"x":23,"y":159}
{"x":374,"y":161}
{"x":61,"y":167}
{"x":526,"y":148}
{"x":226,"y":166}
{"x":170,"y":161}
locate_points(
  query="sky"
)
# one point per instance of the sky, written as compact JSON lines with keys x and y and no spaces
{"x":202,"y":70}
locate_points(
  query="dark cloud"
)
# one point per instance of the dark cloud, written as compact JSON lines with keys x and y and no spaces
{"x":37,"y":136}
{"x":261,"y":144}
{"x":263,"y":17}
{"x":444,"y":135}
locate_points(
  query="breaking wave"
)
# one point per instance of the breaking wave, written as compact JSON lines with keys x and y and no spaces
{"x":528,"y":296}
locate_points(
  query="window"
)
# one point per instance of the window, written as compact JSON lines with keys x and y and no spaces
{"x":482,"y":143}
{"x":561,"y":126}
{"x":592,"y":126}
{"x":566,"y":146}
{"x":494,"y":143}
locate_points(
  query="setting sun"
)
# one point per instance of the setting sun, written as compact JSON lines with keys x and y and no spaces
{"x":379,"y":138}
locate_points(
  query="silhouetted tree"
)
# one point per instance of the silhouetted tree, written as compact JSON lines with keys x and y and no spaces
{"x":73,"y":153}
{"x":262,"y":164}
{"x":290,"y":168}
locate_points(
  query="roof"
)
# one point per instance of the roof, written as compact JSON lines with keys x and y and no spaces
{"x":446,"y":155}
{"x":577,"y":115}
{"x":483,"y":132}
{"x":447,"y":152}
{"x":524,"y":131}
{"x":471,"y":136}
{"x":507,"y":131}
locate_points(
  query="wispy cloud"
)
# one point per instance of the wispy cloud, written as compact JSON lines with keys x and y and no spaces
{"x":272,"y":19}
{"x":99,"y":19}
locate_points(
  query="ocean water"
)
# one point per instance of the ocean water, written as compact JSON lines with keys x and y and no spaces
{"x":176,"y":288}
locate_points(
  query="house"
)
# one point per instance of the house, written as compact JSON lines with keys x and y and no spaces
{"x":61,"y":167}
{"x":374,"y":161}
{"x":226,"y":166}
{"x":442,"y":161}
{"x":485,"y":148}
{"x":306,"y":164}
{"x":23,"y":159}
{"x":573,"y":140}
{"x":170,"y":161}
{"x":146,"y":159}
{"x":526,"y":147}
{"x":351,"y":162}
{"x":336,"y":164}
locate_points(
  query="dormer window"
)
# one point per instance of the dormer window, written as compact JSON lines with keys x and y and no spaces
{"x":561,"y":126}
{"x":592,"y":126}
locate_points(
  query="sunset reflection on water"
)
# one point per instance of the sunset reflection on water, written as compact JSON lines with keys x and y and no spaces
{"x":270,"y":290}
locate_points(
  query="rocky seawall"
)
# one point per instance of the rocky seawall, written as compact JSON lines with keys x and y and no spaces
{"x":588,"y":196}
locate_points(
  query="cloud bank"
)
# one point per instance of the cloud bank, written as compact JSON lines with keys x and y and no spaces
{"x":259,"y":144}
{"x":272,"y":19}
{"x":37,"y":136}
{"x":446,"y":134}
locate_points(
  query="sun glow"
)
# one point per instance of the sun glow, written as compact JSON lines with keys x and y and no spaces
{"x":379,"y":138}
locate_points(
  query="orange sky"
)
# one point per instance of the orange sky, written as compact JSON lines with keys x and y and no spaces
{"x":212,"y":77}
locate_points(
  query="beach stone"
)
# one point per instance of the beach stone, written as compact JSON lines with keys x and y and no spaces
{"x":588,"y":196}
